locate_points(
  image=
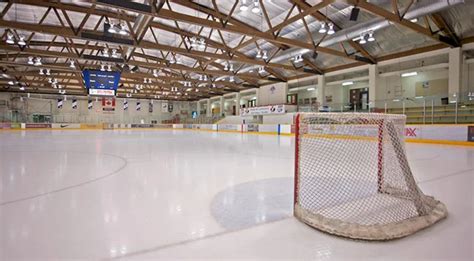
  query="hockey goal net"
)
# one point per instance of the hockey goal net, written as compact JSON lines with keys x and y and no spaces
{"x":352,"y":177}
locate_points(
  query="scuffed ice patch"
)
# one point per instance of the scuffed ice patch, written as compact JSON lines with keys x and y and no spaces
{"x":252,"y":203}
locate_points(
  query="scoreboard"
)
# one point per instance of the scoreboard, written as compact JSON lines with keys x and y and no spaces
{"x":101,"y":83}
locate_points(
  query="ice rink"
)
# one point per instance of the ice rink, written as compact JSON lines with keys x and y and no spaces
{"x":171,"y":194}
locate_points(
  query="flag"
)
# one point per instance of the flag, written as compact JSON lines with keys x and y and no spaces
{"x":108,"y":104}
{"x":60,"y":103}
{"x":89,"y":104}
{"x":125,"y":105}
{"x":74,"y":104}
{"x":139,"y":107}
{"x":150,"y":106}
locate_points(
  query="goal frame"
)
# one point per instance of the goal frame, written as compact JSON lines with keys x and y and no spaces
{"x":399,"y":229}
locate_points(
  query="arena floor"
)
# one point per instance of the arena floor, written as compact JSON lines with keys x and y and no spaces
{"x":171,"y":194}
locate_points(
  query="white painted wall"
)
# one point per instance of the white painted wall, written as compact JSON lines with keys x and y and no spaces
{"x":272,"y":94}
{"x":82,"y":114}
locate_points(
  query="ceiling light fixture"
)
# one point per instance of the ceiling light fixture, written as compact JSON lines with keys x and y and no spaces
{"x":112,"y":28}
{"x":71,"y":65}
{"x":371,"y":37}
{"x":10,"y":39}
{"x":265,"y":55}
{"x":30,"y":60}
{"x":243,"y":6}
{"x":122,"y":30}
{"x":256,"y":7}
{"x":38,"y":61}
{"x":22,"y":42}
{"x":347,"y":83}
{"x":322,"y":29}
{"x":408,"y":74}
{"x":331,"y":29}
{"x":362,"y":39}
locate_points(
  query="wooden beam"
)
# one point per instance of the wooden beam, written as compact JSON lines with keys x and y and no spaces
{"x":401,"y":21}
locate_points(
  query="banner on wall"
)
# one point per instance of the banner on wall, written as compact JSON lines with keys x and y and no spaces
{"x":164,"y":107}
{"x":170,"y":107}
{"x":89,"y":104}
{"x":125,"y":105}
{"x":74,"y":104}
{"x":60,"y":103}
{"x":139,"y":106}
{"x":150,"y":106}
{"x":262,"y":110}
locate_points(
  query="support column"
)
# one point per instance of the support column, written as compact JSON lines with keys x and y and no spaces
{"x":320,"y":90}
{"x":209,"y":109}
{"x":237,"y":103}
{"x":221,"y":105}
{"x":455,"y":77}
{"x":198,"y":108}
{"x":373,"y":82}
{"x":257,"y":92}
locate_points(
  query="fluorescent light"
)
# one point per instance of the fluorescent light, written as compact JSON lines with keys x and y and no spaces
{"x":347,"y":83}
{"x":419,"y":97}
{"x":408,"y":74}
{"x":453,"y":101}
{"x":414,"y":20}
{"x":396,"y":100}
{"x":311,"y":89}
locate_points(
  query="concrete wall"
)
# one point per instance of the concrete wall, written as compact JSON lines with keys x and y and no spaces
{"x":48,"y":106}
{"x":272,"y":94}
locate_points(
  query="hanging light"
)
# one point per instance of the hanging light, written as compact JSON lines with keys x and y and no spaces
{"x":155,"y":73}
{"x":371,"y":37}
{"x":30,"y":60}
{"x":256,"y":7}
{"x":109,"y":68}
{"x":41,"y":72}
{"x":22,"y":42}
{"x":102,"y":67}
{"x":265,"y":55}
{"x":112,"y":28}
{"x":231,"y":67}
{"x":226,"y":67}
{"x":261,"y":69}
{"x":50,"y":80}
{"x":259,"y":54}
{"x":48,"y":72}
{"x":362,"y":39}
{"x":10,"y":39}
{"x":173,"y":60}
{"x":322,"y":30}
{"x":122,"y":29}
{"x":38,"y":61}
{"x":193,"y":42}
{"x":114,"y":53}
{"x":22,"y":88}
{"x":231,"y":79}
{"x":71,"y":65}
{"x":202,"y":43}
{"x":243,"y":6}
{"x":105,"y":52}
{"x":331,"y":28}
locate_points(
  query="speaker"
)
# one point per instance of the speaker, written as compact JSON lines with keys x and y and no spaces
{"x":354,"y":13}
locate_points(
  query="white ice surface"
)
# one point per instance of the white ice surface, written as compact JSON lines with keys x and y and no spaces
{"x":148,"y":195}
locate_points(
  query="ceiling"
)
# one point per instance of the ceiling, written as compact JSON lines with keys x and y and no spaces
{"x":157,"y":61}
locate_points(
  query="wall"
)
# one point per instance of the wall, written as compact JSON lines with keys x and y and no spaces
{"x":48,"y":106}
{"x":272,"y":94}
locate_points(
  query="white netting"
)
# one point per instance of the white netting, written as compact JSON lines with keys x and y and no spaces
{"x":353,"y":178}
